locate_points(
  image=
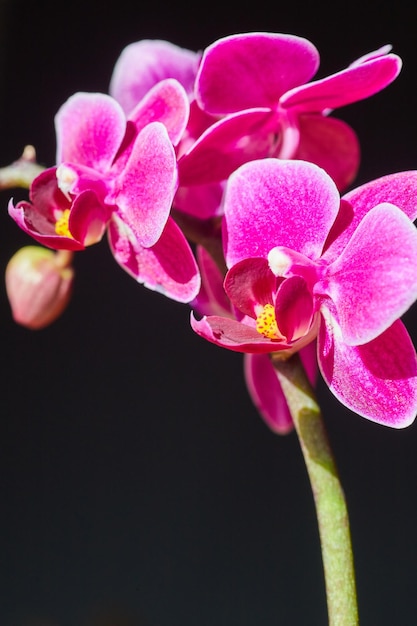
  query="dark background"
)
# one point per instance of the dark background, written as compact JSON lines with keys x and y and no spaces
{"x":137,"y":483}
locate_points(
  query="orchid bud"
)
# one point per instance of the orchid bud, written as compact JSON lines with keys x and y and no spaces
{"x":39,"y":285}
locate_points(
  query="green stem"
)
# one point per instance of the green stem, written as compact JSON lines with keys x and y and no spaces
{"x":328,"y":494}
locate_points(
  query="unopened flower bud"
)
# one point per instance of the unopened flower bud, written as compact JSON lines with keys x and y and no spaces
{"x":39,"y":285}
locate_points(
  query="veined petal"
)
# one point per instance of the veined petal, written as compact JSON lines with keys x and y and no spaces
{"x":377,"y":380}
{"x":144,"y":63}
{"x":374,"y":281}
{"x":331,"y":144}
{"x":168,"y":267}
{"x":90,"y":128}
{"x":252,"y":70}
{"x":274,"y":202}
{"x":145,"y":189}
{"x":166,"y":102}
{"x":356,"y":82}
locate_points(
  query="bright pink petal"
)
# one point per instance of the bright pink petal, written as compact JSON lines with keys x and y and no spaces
{"x":274,"y":202}
{"x":253,"y":70}
{"x":377,"y":380}
{"x":374,"y":281}
{"x":331,"y":144}
{"x":227,"y":144}
{"x":145,"y":189}
{"x":90,"y":128}
{"x":266,"y":393}
{"x":350,"y":85}
{"x":168,"y":267}
{"x":167,"y":103}
{"x":144,"y":63}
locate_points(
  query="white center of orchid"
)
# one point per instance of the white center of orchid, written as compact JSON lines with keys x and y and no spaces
{"x":279,"y":262}
{"x":66,"y":177}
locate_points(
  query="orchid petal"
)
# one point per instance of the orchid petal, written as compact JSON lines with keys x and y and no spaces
{"x":294,"y":308}
{"x":168,"y":267}
{"x":227,"y":144}
{"x":236,"y":336}
{"x":144,"y":63}
{"x":201,"y":201}
{"x":266,"y":393}
{"x":252,"y":70}
{"x":331,"y":144}
{"x":146,"y":186}
{"x":274,"y":202}
{"x":357,"y":82}
{"x":374,"y":281}
{"x":212,"y":298}
{"x":167,"y":103}
{"x":377,"y":380}
{"x":249,"y":284}
{"x":89,"y":128}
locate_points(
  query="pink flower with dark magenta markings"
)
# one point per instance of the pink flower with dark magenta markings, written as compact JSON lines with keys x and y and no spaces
{"x":119,"y":174}
{"x":304,"y":264}
{"x":258,"y":83}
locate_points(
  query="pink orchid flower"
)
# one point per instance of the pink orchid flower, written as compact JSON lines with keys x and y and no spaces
{"x":305,"y":264}
{"x":119,"y":174}
{"x":258,"y":84}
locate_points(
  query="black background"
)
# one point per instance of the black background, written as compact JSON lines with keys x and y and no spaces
{"x":137,"y":483}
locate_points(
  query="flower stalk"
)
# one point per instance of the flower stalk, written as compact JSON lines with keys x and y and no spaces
{"x":328,"y":494}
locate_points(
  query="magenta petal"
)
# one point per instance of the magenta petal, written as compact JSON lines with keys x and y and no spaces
{"x":145,"y":189}
{"x":374,"y":281}
{"x":167,"y":103}
{"x":294,"y":308}
{"x":29,"y":222}
{"x":331,"y":144}
{"x":88,"y":218}
{"x":90,"y":128}
{"x":377,"y":380}
{"x":266,"y":393}
{"x":252,"y":70}
{"x":225,"y":145}
{"x":250,"y":283}
{"x":212,"y":298}
{"x":144,"y":63}
{"x":274,"y":202}
{"x":201,"y":201}
{"x":350,"y":85}
{"x":234,"y":335}
{"x":168,"y":267}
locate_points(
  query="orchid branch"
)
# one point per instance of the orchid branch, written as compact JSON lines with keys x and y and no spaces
{"x":328,"y":494}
